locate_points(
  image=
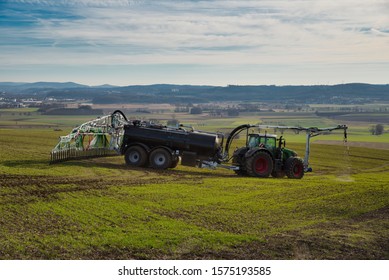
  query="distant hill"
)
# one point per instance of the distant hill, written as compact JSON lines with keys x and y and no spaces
{"x":170,"y":93}
{"x":22,"y":88}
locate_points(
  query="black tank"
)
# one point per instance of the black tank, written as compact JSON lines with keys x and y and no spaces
{"x":205,"y":145}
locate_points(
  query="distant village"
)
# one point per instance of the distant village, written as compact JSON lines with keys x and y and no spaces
{"x":67,"y":106}
{"x":60,"y":106}
{"x":49,"y":106}
{"x":230,"y":101}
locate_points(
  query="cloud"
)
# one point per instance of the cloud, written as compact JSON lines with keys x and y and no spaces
{"x":78,"y":3}
{"x":218,"y":32}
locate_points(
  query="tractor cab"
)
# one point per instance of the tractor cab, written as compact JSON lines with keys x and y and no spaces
{"x":262,"y":140}
{"x":270,"y":142}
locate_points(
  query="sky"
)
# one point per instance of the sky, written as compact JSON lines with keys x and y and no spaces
{"x":213,"y":42}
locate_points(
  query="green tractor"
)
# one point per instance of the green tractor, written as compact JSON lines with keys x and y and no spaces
{"x":265,"y":154}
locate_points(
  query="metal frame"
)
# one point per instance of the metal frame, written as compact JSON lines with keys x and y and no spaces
{"x":109,"y":127}
{"x":310,"y":132}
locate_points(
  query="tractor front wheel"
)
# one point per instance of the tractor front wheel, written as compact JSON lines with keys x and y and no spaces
{"x":294,"y":168}
{"x":259,"y":165}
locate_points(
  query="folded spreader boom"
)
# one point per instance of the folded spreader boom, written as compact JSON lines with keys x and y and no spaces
{"x":95,"y":138}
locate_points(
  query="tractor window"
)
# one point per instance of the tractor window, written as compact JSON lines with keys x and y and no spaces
{"x":256,"y":140}
{"x":270,"y":142}
{"x":253,"y":141}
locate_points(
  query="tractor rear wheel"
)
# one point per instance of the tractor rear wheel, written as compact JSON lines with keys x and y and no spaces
{"x":136,"y":156}
{"x":259,"y":165}
{"x":161,"y":159}
{"x":294,"y":168}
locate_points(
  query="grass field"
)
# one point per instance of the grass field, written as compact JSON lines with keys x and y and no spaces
{"x":101,"y":209}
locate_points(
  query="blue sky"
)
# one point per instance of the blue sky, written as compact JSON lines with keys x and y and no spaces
{"x":214,"y":42}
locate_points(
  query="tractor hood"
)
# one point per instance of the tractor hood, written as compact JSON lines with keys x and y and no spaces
{"x":287,"y":153}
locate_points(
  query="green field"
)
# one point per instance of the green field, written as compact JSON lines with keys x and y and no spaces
{"x":101,"y":209}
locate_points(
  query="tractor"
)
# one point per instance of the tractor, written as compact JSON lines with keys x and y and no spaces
{"x":265,"y":155}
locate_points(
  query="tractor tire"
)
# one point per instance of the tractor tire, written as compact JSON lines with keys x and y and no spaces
{"x":238,"y":159}
{"x":294,"y":168}
{"x":136,"y":156}
{"x":260,"y":164}
{"x":161,"y":159}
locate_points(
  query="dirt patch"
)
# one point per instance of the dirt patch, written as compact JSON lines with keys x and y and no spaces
{"x":371,"y":145}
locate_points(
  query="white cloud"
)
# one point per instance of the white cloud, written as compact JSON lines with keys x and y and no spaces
{"x":120,"y":32}
{"x":89,"y":3}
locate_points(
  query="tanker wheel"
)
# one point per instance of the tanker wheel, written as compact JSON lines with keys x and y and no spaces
{"x":160,"y":159}
{"x":294,"y":168}
{"x":136,"y":156}
{"x":260,"y":164}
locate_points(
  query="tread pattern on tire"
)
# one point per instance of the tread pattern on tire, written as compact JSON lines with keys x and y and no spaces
{"x":294,"y":168}
{"x":251,"y":162}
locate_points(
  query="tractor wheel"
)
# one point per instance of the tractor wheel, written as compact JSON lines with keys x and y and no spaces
{"x":294,"y":168}
{"x":239,"y":160}
{"x":136,"y":156}
{"x":259,"y":165}
{"x":160,"y":159}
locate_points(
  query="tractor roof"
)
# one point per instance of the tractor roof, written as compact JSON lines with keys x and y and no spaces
{"x":264,"y":134}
